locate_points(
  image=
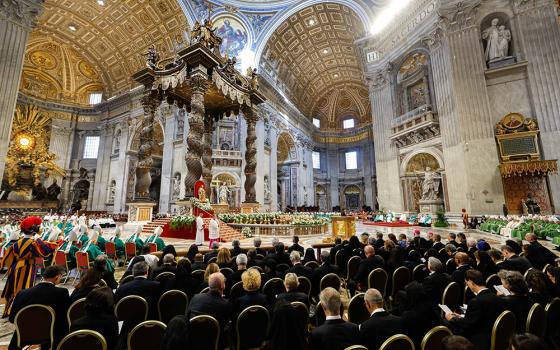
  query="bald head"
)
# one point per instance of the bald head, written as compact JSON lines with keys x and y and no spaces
{"x":462,"y":258}
{"x":217,"y":282}
{"x":369,"y":251}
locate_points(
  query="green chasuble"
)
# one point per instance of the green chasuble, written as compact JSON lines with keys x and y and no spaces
{"x":83,"y":239}
{"x":101,"y":243}
{"x":139,"y":242}
{"x":158,"y":241}
{"x":94,"y":251}
{"x":119,"y":246}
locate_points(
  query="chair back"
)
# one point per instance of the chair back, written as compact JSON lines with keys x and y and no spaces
{"x":260,"y":256}
{"x":251,"y":327}
{"x":82,"y":261}
{"x":338,"y":258}
{"x":356,"y":347}
{"x":146,"y":335}
{"x":133,"y":310}
{"x":236,"y":291}
{"x":102,"y":283}
{"x":352,"y":267}
{"x":205,"y":290}
{"x":450,"y":266}
{"x":126,"y":279}
{"x":451,"y":296}
{"x":552,"y":317}
{"x":312,"y":265}
{"x":111,"y":250}
{"x":205,"y":332}
{"x":76,"y":310}
{"x":330,"y":280}
{"x":357,"y":311}
{"x":536,"y":321}
{"x":320,"y":316}
{"x":226,"y":271}
{"x":282,"y":269}
{"x":39,"y":263}
{"x":467,"y":294}
{"x":304,"y":285}
{"x":378,"y":279}
{"x":130,"y":250}
{"x":198,"y":274}
{"x":273,"y":287}
{"x":301,"y":309}
{"x":60,"y":259}
{"x":419,"y":273}
{"x":401,"y":277}
{"x":172,"y":303}
{"x":153,"y":247}
{"x":84,"y":340}
{"x":491,"y":281}
{"x":503,"y":329}
{"x":34,"y":325}
{"x":397,"y":342}
{"x":212,"y":259}
{"x":432,"y":339}
{"x":164,"y":276}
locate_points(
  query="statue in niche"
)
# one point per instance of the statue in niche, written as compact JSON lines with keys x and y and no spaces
{"x":430,"y":184}
{"x":180,"y":127}
{"x":112,"y":191}
{"x":417,"y":95}
{"x":176,"y":186}
{"x":223,"y":193}
{"x":266,"y":188}
{"x":152,"y":57}
{"x":117,"y":142}
{"x":497,"y":41}
{"x":53,"y":191}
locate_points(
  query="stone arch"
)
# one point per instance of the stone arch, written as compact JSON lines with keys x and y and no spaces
{"x":286,"y":149}
{"x":233,"y":181}
{"x":434,"y":152}
{"x":353,"y":197}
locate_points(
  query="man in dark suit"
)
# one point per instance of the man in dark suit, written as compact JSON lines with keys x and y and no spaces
{"x":335,"y":333}
{"x":241,"y":261}
{"x":198,"y":263}
{"x":451,"y":236}
{"x":212,"y":253}
{"x":298,"y":268}
{"x":379,"y":242}
{"x":462,"y":260}
{"x":167,"y":266}
{"x":482,"y":312}
{"x":370,"y":263}
{"x":435,"y":283}
{"x":141,"y":286}
{"x":257,"y":243}
{"x":279,"y":255}
{"x":253,"y":259}
{"x":437,"y":243}
{"x":291,"y":284}
{"x":337,"y":246}
{"x":512,"y":261}
{"x":45,"y":293}
{"x":296,"y":246}
{"x":320,"y":272}
{"x":381,"y":325}
{"x":212,"y":303}
{"x":538,"y":255}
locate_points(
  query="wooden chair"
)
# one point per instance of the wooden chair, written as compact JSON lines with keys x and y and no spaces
{"x":397,"y":342}
{"x":451,"y":296}
{"x":503,"y":329}
{"x":153,"y":247}
{"x":163,"y":276}
{"x":536,"y":321}
{"x":450,"y":266}
{"x":35,"y":325}
{"x":251,"y":327}
{"x":205,"y":332}
{"x":132,"y":310}
{"x":76,"y":310}
{"x":301,"y":309}
{"x":226,"y":271}
{"x":82,"y":262}
{"x":401,"y":277}
{"x":419,"y":273}
{"x":83,"y":340}
{"x":129,"y":250}
{"x":111,"y":251}
{"x":198,"y":274}
{"x":172,"y":303}
{"x":552,"y":317}
{"x":236,"y":291}
{"x":432,"y":339}
{"x":146,"y":335}
{"x":356,"y":347}
{"x":60,"y":258}
{"x":330,"y":280}
{"x":312,"y":265}
{"x":378,"y":279}
{"x":273,"y":287}
{"x":352,"y":267}
{"x":357,"y":311}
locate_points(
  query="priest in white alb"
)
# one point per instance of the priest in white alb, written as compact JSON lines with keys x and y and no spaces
{"x":213,"y":230}
{"x":199,"y":240}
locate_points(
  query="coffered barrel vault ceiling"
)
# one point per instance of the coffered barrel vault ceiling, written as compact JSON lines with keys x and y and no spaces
{"x":114,"y":37}
{"x":312,"y":59}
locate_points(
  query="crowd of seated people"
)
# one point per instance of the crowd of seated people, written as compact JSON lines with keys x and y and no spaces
{"x":222,"y":284}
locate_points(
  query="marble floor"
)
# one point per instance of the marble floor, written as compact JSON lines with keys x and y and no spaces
{"x":6,"y":328}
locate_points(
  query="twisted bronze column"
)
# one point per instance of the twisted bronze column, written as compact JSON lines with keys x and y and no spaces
{"x":250,"y":155}
{"x":145,"y":160}
{"x":207,"y":153}
{"x":194,"y":139}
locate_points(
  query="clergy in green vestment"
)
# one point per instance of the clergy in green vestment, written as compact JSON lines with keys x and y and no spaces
{"x":135,"y":237}
{"x":12,"y":237}
{"x":70,"y":248}
{"x":154,"y":238}
{"x":93,"y":250}
{"x":119,"y":244}
{"x":83,"y":236}
{"x":100,"y":239}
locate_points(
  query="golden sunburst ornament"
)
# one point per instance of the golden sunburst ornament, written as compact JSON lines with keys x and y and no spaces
{"x":24,"y":141}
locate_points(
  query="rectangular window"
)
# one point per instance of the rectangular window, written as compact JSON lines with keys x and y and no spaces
{"x":91,"y":147}
{"x":316,"y":160}
{"x":348,"y":123}
{"x":316,"y":122}
{"x":351,"y":160}
{"x":95,"y":98}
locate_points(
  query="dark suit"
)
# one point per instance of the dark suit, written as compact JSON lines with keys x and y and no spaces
{"x":233,"y":279}
{"x":293,"y":296}
{"x":302,"y":270}
{"x":45,"y":294}
{"x":334,"y":335}
{"x":520,"y":306}
{"x":539,"y":256}
{"x":260,"y":251}
{"x":235,"y":251}
{"x":297,"y":248}
{"x":149,"y":290}
{"x":515,"y":263}
{"x":210,"y":255}
{"x":319,"y":273}
{"x":378,"y":328}
{"x":212,"y":304}
{"x":104,"y":323}
{"x":366,"y":266}
{"x":438,"y":246}
{"x":459,"y":275}
{"x":163,"y":268}
{"x":249,"y":299}
{"x":435,"y":284}
{"x":482,"y":311}
{"x":281,"y":258}
{"x":198,"y":266}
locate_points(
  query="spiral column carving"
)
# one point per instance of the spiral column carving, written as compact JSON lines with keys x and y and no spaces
{"x":145,"y":160}
{"x":250,"y":156}
{"x":194,"y":139}
{"x":207,"y":151}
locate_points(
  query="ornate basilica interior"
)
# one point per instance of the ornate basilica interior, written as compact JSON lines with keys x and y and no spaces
{"x":404,"y":106}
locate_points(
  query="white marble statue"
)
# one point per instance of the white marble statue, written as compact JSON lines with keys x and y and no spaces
{"x":223,"y":193}
{"x":430,"y":184}
{"x":176,"y":186}
{"x":266,"y":188}
{"x":112,"y":190}
{"x":497,"y":41}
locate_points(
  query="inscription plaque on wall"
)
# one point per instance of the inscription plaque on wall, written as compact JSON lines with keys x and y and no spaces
{"x":519,"y":146}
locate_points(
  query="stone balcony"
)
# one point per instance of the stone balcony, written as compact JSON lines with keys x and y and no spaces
{"x":416,"y":126}
{"x":226,"y":158}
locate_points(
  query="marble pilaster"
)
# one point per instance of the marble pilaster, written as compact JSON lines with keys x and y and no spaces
{"x":120,"y":175}
{"x":103,"y":167}
{"x":169,"y":114}
{"x":274,"y":205}
{"x":260,"y":171}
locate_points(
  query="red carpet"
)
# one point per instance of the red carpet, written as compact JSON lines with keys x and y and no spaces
{"x":388,"y":224}
{"x":182,"y":233}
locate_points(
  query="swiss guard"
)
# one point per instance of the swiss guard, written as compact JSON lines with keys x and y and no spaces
{"x":19,"y":259}
{"x":155,"y":239}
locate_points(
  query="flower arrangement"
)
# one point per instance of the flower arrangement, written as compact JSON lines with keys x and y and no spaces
{"x":181,"y":221}
{"x":202,"y":205}
{"x":246,"y":232}
{"x":441,"y":221}
{"x":278,"y":218}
